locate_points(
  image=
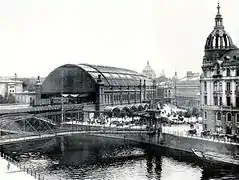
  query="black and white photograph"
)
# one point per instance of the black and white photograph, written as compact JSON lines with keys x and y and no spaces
{"x":119,"y":90}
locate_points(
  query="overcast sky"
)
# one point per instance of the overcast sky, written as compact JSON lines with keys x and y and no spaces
{"x":37,"y":36}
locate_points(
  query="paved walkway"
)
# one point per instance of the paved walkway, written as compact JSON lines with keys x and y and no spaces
{"x":13,"y":172}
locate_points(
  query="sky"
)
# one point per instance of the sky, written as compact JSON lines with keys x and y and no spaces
{"x":38,"y":36}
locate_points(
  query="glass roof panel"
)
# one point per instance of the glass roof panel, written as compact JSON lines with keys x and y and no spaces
{"x":122,"y":76}
{"x":116,"y":76}
{"x":87,"y":68}
{"x":94,"y":74}
{"x":107,"y":75}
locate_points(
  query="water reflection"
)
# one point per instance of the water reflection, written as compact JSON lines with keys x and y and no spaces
{"x":99,"y":160}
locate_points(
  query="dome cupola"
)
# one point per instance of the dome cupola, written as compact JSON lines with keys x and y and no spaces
{"x":219,"y":38}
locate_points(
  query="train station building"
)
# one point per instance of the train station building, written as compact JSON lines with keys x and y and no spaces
{"x":102,"y":88}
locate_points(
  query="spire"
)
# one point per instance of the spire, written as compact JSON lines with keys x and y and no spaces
{"x":147,"y":62}
{"x":218,"y":19}
{"x":218,"y":9}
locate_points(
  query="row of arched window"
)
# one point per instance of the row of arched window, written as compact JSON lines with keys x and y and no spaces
{"x":228,"y":71}
{"x":219,"y":116}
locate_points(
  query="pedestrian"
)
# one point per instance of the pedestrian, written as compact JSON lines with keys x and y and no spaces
{"x":8,"y":165}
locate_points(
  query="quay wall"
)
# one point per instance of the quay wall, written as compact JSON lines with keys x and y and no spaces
{"x":187,"y":143}
{"x":179,"y":143}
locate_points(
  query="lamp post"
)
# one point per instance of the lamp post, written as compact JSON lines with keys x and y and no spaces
{"x":62,"y":110}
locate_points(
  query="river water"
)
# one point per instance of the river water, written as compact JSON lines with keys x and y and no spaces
{"x":121,"y":162}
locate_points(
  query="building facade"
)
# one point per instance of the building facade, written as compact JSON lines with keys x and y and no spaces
{"x":220,"y":81}
{"x":25,"y":97}
{"x":148,"y":71}
{"x":188,"y":90}
{"x":9,"y":86}
{"x":105,"y":88}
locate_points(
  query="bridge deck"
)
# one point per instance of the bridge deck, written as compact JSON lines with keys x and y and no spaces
{"x":29,"y":109}
{"x":44,"y":136}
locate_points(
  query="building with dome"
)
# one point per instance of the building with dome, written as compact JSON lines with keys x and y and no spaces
{"x":220,"y":81}
{"x":148,"y":71}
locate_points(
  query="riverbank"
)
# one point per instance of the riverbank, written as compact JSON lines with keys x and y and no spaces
{"x":11,"y":171}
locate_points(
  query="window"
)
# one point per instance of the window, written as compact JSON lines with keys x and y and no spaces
{"x":205,"y":100}
{"x":228,"y":72}
{"x":228,"y":101}
{"x":228,"y":86}
{"x":215,"y":98}
{"x":220,"y":86}
{"x":205,"y":115}
{"x":204,"y":73}
{"x":215,"y":86}
{"x":229,"y":117}
{"x":237,"y":118}
{"x":237,"y":101}
{"x":219,"y":116}
{"x":205,"y":86}
{"x":237,"y":71}
{"x":220,"y":100}
{"x":205,"y":126}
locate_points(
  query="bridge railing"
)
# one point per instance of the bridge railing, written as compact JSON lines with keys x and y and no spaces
{"x":29,"y":171}
{"x":67,"y":130}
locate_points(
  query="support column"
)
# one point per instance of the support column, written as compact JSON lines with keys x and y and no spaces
{"x":144,"y":87}
{"x":99,"y":95}
{"x":135,"y":94}
{"x":128,"y":95}
{"x":112,"y":96}
{"x":121,"y":96}
{"x":140,"y":91}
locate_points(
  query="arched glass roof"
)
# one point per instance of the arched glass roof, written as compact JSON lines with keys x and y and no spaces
{"x":114,"y":76}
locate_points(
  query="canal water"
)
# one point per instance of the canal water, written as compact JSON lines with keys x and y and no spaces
{"x":96,"y":160}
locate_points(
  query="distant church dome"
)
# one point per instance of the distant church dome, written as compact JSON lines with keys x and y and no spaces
{"x":219,"y":38}
{"x":148,"y":71}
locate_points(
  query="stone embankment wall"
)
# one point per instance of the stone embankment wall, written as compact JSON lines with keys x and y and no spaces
{"x":177,"y":142}
{"x":187,"y":143}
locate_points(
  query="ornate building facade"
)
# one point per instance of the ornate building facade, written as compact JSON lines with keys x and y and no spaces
{"x":219,"y":83}
{"x":148,"y":71}
{"x":188,"y":91}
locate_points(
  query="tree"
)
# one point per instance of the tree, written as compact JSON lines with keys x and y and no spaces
{"x":188,"y":114}
{"x":29,"y":84}
{"x":1,"y":99}
{"x":195,"y":112}
{"x":11,"y":99}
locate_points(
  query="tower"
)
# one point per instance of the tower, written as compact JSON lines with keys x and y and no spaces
{"x":218,"y":83}
{"x":148,"y":71}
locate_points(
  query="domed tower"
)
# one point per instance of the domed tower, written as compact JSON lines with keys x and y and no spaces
{"x":148,"y":71}
{"x":220,"y":81}
{"x":218,"y":42}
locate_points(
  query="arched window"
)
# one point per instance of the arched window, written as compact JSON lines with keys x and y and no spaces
{"x":237,"y":86}
{"x":229,"y":117}
{"x":228,"y":72}
{"x":237,"y":118}
{"x":219,"y":116}
{"x":215,"y":86}
{"x":205,"y":115}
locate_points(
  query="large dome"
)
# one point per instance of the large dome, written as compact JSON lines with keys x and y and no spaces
{"x":219,"y":38}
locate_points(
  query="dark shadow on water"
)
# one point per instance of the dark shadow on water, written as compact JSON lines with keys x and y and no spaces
{"x":209,"y":171}
{"x":83,"y":155}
